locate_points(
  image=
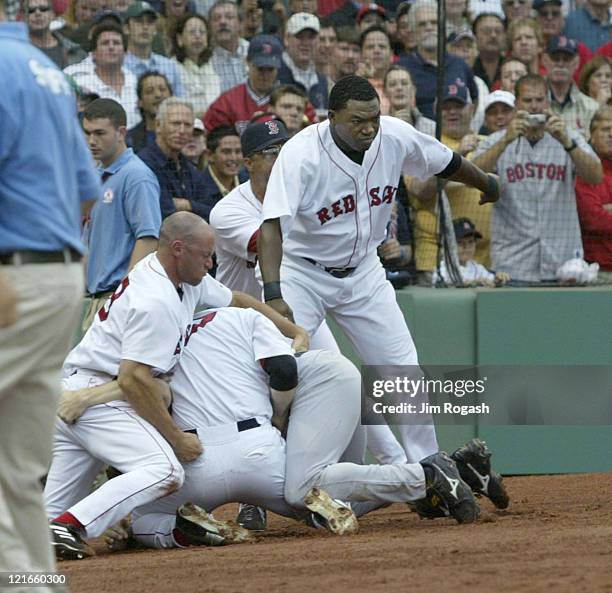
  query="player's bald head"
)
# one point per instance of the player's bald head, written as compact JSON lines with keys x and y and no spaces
{"x":183,"y":226}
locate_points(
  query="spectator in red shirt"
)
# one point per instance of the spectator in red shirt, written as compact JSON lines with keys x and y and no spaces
{"x":237,"y":106}
{"x":595,"y":201}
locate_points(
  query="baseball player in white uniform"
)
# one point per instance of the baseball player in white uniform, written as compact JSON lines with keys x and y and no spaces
{"x":326,"y":209}
{"x":236,"y":220}
{"x":221,"y":389}
{"x":139,"y":333}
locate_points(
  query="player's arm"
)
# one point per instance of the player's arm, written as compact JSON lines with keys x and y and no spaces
{"x":298,"y":334}
{"x":137,"y":383}
{"x":270,"y":253}
{"x":143,"y":247}
{"x":463,"y":171}
{"x":283,"y":374}
{"x":72,"y":404}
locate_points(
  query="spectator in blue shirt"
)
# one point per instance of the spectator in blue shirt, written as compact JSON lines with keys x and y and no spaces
{"x":225,"y":169}
{"x":591,"y":24}
{"x":151,"y":90}
{"x":141,"y":20}
{"x":46,"y":177}
{"x":181,"y":184}
{"x":423,"y":62}
{"x":124,"y":225}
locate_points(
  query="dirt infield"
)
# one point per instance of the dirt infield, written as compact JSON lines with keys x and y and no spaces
{"x":556,"y":536}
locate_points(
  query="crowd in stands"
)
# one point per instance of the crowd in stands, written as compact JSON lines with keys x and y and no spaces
{"x":527,"y":95}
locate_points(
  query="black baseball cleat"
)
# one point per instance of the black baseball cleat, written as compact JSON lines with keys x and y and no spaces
{"x":446,"y":493}
{"x":201,"y":529}
{"x":251,"y":517}
{"x":474,"y":464}
{"x":68,"y":543}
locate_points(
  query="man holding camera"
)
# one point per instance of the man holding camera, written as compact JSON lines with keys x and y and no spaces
{"x":534,"y":227}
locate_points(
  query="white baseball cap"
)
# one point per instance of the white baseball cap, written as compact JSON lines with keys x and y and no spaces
{"x":499,"y":97}
{"x":301,"y":21}
{"x":198,"y":125}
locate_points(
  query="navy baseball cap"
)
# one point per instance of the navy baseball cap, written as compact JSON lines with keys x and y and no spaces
{"x":455,"y":92}
{"x":106,"y":14}
{"x":265,"y":51}
{"x":537,"y":4}
{"x":561,"y":43}
{"x":464,"y":227}
{"x":259,"y":136}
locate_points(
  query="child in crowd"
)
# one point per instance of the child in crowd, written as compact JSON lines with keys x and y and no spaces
{"x":472,"y":273}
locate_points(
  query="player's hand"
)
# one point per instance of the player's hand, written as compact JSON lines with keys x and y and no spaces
{"x":188,"y":447}
{"x":280,"y":306}
{"x":468,"y":144}
{"x":301,"y":342}
{"x":390,"y":249}
{"x":116,"y":537}
{"x":71,"y":406}
{"x":8,"y":303}
{"x":181,"y":204}
{"x":502,"y":278}
{"x":517,"y":127}
{"x":492,"y":194}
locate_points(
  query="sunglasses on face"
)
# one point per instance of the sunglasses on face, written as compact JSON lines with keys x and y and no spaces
{"x":548,"y":14}
{"x":34,"y":9}
{"x":272,"y":151}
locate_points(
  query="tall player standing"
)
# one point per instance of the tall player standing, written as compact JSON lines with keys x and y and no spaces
{"x":326,"y":209}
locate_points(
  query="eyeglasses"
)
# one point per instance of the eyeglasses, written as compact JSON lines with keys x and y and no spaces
{"x":34,"y":9}
{"x":271,"y":151}
{"x":514,"y":2}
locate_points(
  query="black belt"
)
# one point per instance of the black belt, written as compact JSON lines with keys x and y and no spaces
{"x":335,"y":272}
{"x":242,"y":426}
{"x":17,"y":258}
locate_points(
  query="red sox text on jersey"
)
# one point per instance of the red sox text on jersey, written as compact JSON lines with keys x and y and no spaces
{"x":346,"y":205}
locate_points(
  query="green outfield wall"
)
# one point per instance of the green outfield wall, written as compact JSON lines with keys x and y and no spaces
{"x":516,"y":326}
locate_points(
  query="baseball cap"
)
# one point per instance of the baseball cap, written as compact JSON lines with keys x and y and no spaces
{"x":265,"y":51}
{"x":461,"y":33}
{"x":259,"y":136}
{"x":301,"y":21}
{"x":499,"y":97}
{"x":455,"y":92}
{"x":102,"y":15}
{"x":561,"y":43}
{"x":138,"y":9}
{"x":537,"y":4}
{"x":464,"y":227}
{"x":403,"y":8}
{"x":368,"y":8}
{"x":198,"y":125}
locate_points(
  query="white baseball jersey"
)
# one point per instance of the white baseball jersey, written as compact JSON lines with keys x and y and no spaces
{"x":235,"y":219}
{"x":145,"y":320}
{"x":209,"y":386}
{"x":334,"y":210}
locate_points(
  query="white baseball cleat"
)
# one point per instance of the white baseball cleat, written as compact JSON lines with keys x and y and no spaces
{"x":339,"y":518}
{"x":201,"y":529}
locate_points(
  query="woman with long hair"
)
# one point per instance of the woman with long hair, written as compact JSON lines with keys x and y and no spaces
{"x":192,"y":52}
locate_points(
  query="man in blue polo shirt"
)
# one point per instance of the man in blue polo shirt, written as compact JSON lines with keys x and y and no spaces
{"x":46,"y":176}
{"x":423,"y":61}
{"x":125,"y":223}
